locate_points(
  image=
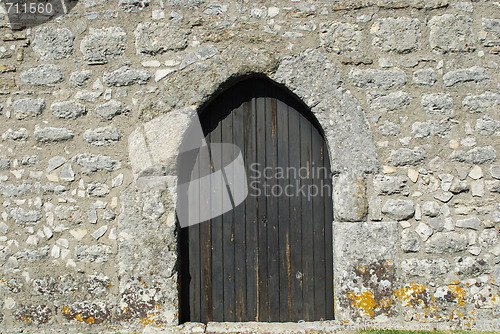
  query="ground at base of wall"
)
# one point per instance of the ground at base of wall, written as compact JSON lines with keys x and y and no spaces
{"x":317,"y":327}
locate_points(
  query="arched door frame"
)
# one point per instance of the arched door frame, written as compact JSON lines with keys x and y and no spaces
{"x":310,"y":297}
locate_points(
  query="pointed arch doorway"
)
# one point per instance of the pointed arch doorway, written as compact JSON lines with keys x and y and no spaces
{"x":271,"y":257}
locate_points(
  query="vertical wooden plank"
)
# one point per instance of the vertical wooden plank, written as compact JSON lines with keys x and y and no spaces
{"x":194,"y":256}
{"x":217,"y":274}
{"x":272,"y":211}
{"x":307,"y":224}
{"x":228,"y":229}
{"x":257,"y":189}
{"x":239,"y":217}
{"x":194,"y":283}
{"x":206,"y":243}
{"x":319,"y":228}
{"x":283,"y":211}
{"x":295,"y":215}
{"x":251,"y":232}
{"x":328,"y":236}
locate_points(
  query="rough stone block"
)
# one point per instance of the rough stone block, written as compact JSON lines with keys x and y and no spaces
{"x":14,"y":190}
{"x":157,"y":38}
{"x":133,"y":6}
{"x":401,"y":35}
{"x":68,"y":109}
{"x":98,"y":253}
{"x":407,"y":157}
{"x":389,"y":128}
{"x":28,"y":107}
{"x":424,"y":231}
{"x":80,"y":78}
{"x":97,"y":189}
{"x":389,"y":185}
{"x":409,"y":242}
{"x":437,"y":103}
{"x":126,"y":76}
{"x":451,"y":33}
{"x":96,"y":162}
{"x":102,"y":136}
{"x":477,"y":155}
{"x":90,"y":312}
{"x":432,"y":128}
{"x":470,"y":223}
{"x":493,"y":186}
{"x":425,"y":268}
{"x":110,"y":109}
{"x":43,"y":75}
{"x":487,"y":126}
{"x":485,"y":102}
{"x":425,"y":77}
{"x":342,"y":37}
{"x":349,"y":198}
{"x":446,"y":242}
{"x":490,"y":35}
{"x":22,"y":216}
{"x":388,"y":101}
{"x":53,"y":44}
{"x":186,"y":3}
{"x":363,"y":251}
{"x":382,"y":79}
{"x":39,"y":314}
{"x":100,"y":45}
{"x":430,"y":208}
{"x":51,"y":134}
{"x":15,"y":135}
{"x":399,"y":209}
{"x":475,"y":74}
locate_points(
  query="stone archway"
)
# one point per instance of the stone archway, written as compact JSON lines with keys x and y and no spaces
{"x":148,"y":239}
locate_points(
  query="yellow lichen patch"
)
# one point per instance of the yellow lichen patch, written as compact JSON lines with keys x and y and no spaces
{"x":90,"y":320}
{"x":455,"y":314}
{"x":146,"y":321}
{"x":79,"y":317}
{"x":363,"y":301}
{"x":454,"y":282}
{"x":66,"y":310}
{"x":409,"y":293}
{"x":362,"y":269}
{"x":385,"y":302}
{"x":125,"y":309}
{"x":458,"y":293}
{"x":144,"y":284}
{"x":26,"y":319}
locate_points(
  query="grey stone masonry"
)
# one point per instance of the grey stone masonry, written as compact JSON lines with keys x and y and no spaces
{"x":95,"y":106}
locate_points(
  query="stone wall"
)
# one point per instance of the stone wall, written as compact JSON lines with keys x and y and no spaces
{"x":407,"y":95}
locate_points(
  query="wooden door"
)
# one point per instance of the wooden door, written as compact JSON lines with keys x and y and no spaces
{"x":270,"y":258}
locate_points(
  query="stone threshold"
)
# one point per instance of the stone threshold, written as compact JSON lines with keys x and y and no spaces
{"x":317,"y":327}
